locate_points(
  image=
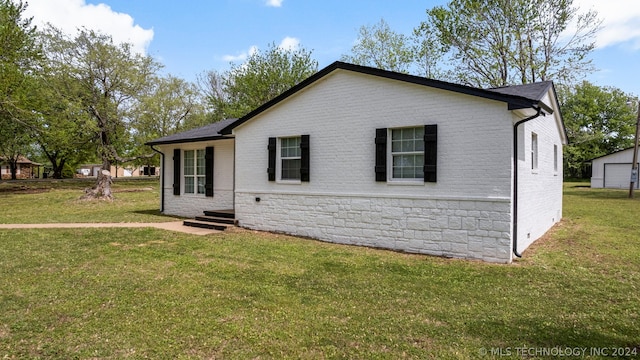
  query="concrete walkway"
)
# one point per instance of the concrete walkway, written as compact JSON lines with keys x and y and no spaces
{"x":171,"y":226}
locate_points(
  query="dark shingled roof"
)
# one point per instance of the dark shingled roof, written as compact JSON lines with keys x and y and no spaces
{"x":207,"y":132}
{"x":535,"y":91}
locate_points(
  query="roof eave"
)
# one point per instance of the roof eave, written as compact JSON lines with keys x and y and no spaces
{"x":191,"y":140}
{"x":513,"y":101}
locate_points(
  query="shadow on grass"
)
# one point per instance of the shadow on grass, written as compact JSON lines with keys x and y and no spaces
{"x":153,"y":212}
{"x":588,"y":192}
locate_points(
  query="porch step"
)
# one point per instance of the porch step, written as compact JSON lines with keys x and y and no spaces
{"x":217,"y":220}
{"x":229,"y":214}
{"x":204,"y":225}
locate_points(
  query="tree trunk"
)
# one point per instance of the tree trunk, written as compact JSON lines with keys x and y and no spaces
{"x":57,"y":169}
{"x":13,"y":165}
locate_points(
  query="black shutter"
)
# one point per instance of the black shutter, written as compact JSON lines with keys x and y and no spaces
{"x":208,"y":171}
{"x":176,"y":171}
{"x":381,"y":154}
{"x":304,"y":158}
{"x":271,"y":170}
{"x":430,"y":152}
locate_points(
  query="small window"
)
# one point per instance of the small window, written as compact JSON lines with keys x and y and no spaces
{"x":290,"y":158}
{"x":555,"y":158}
{"x":194,"y":171}
{"x":407,"y":153}
{"x":534,"y":151}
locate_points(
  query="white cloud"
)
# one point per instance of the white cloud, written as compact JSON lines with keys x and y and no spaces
{"x":70,"y":15}
{"x":289,"y":43}
{"x":242,"y":56}
{"x":274,"y":3}
{"x":620,"y":21}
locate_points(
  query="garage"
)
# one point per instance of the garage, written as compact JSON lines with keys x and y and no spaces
{"x":613,"y":171}
{"x":617,"y":176}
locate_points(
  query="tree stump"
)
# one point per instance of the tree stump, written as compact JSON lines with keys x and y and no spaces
{"x":102,"y":190}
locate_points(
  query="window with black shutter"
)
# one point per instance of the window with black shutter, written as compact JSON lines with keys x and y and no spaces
{"x":407,"y":154}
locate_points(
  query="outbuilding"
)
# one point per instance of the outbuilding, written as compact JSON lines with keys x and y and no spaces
{"x":613,"y":171}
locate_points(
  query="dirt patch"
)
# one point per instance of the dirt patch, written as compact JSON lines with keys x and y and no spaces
{"x":23,"y":190}
{"x":132,"y":190}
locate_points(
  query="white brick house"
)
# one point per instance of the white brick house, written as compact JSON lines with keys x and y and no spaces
{"x":362,"y":156}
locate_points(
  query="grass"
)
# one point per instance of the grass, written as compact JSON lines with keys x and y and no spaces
{"x":57,"y":201}
{"x":148,"y":293}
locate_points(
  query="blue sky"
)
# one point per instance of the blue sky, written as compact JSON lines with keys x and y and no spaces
{"x":191,"y":37}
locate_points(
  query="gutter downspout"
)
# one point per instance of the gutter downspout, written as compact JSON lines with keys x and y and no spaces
{"x":161,"y":178}
{"x":515,"y":178}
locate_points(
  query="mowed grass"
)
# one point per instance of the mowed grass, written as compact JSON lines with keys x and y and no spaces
{"x":148,"y":293}
{"x":57,"y":201}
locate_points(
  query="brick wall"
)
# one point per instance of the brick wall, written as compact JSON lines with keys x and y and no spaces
{"x":466,"y":213}
{"x":190,"y":205}
{"x":462,"y":228}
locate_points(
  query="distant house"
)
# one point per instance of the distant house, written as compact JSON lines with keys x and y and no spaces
{"x":362,"y":156}
{"x":118,"y":171}
{"x":26,"y":169}
{"x":613,"y":170}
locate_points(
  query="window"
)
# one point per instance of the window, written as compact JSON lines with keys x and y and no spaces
{"x":194,"y":171}
{"x":290,"y":158}
{"x":555,"y":158}
{"x":534,"y":151}
{"x":407,"y":153}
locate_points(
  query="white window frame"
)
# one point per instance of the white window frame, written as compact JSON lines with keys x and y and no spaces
{"x":199,"y":173}
{"x":534,"y":152}
{"x":280,"y":159}
{"x":390,"y":156}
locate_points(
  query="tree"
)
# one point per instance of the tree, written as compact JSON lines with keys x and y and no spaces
{"x":171,"y":105}
{"x":261,"y":78}
{"x":504,"y":42}
{"x":599,"y":121}
{"x":107,"y":80}
{"x":65,"y":131}
{"x":19,"y":58}
{"x":15,"y":143}
{"x":379,"y":46}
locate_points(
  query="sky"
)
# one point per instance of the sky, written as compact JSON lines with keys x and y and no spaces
{"x":195,"y":36}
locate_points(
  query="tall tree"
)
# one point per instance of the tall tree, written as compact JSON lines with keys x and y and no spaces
{"x":109,"y":79}
{"x":599,"y":120}
{"x":19,"y":58}
{"x":65,"y":130}
{"x":502,"y":42}
{"x":262,"y":77}
{"x":379,"y":46}
{"x":171,"y":105}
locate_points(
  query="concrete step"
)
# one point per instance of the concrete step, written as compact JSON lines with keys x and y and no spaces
{"x":216,"y":219}
{"x":205,"y":225}
{"x":228,"y":214}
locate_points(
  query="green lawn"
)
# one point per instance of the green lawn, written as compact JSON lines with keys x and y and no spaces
{"x":148,"y":293}
{"x":57,"y":201}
